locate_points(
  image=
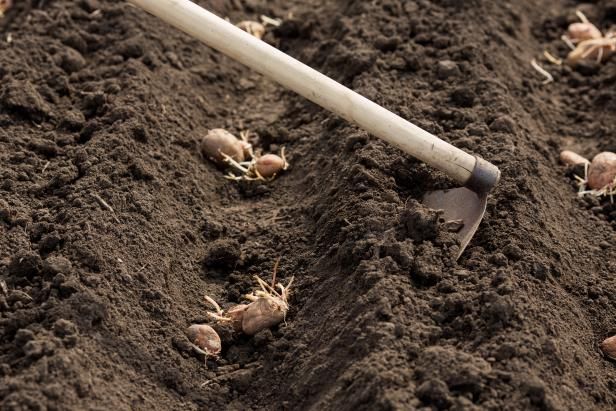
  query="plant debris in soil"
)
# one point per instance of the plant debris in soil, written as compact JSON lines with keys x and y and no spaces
{"x":113,"y":226}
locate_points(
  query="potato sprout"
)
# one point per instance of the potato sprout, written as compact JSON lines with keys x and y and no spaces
{"x":602,"y":171}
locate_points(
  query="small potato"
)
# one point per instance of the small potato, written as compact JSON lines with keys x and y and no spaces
{"x":602,"y":171}
{"x":608,"y":347}
{"x":205,"y":338}
{"x":219,"y":141}
{"x":269,"y":165}
{"x":583,"y":31}
{"x":572,"y":159}
{"x":263,"y":313}
{"x":252,"y":27}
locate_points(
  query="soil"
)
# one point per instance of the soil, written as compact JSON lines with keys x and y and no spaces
{"x":113,"y":226}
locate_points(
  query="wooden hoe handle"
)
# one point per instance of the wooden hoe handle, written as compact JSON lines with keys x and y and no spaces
{"x":223,"y":36}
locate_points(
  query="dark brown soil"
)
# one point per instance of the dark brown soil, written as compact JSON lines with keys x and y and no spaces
{"x":99,"y":101}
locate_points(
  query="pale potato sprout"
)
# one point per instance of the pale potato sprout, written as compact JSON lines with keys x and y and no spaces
{"x":268,"y":307}
{"x":542,"y":71}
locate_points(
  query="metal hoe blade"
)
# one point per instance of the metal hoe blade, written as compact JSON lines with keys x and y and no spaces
{"x":459,"y":204}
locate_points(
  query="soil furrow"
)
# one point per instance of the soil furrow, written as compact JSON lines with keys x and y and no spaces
{"x":99,"y":101}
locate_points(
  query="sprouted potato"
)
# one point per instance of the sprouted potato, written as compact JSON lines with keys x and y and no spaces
{"x":268,"y":307}
{"x":587,"y":42}
{"x":219,"y":144}
{"x":269,"y":165}
{"x":599,"y":174}
{"x":264,"y":168}
{"x":602,"y":171}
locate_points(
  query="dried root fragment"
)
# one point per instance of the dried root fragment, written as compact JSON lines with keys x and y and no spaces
{"x":205,"y":338}
{"x":268,"y":307}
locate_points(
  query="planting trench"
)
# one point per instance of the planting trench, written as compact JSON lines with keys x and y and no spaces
{"x":99,"y":100}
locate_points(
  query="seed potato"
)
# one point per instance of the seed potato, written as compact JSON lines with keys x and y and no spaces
{"x":218,"y":142}
{"x":602,"y":170}
{"x":205,"y":338}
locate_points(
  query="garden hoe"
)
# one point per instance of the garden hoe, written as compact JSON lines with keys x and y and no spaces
{"x":465,"y":205}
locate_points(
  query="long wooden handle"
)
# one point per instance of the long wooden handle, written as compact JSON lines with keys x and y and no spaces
{"x":320,"y":89}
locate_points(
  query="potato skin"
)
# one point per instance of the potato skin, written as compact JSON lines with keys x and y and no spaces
{"x":602,"y":170}
{"x":263,"y":313}
{"x":269,"y":165}
{"x":219,"y":141}
{"x":205,"y":337}
{"x":608,"y":346}
{"x":583,"y":31}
